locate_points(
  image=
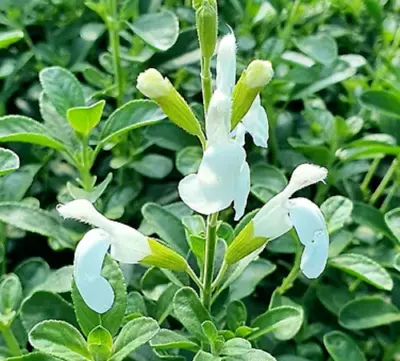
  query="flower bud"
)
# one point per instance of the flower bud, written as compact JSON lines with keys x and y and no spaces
{"x":244,"y":244}
{"x":257,"y":75}
{"x":152,"y":84}
{"x":164,"y":257}
{"x":207,"y":28}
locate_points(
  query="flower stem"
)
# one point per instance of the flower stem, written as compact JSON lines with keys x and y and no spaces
{"x":3,"y":241}
{"x":113,"y":30}
{"x":289,"y":280}
{"x":11,"y":341}
{"x":211,"y":242}
{"x":392,"y":192}
{"x":194,"y":277}
{"x":371,"y":171}
{"x":206,"y":82}
{"x":220,"y":275}
{"x":385,"y":181}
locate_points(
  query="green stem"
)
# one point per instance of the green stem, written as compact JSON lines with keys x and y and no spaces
{"x":113,"y":29}
{"x":220,"y":275}
{"x":385,"y":181}
{"x":391,"y":194}
{"x":29,"y":42}
{"x":11,"y":341}
{"x":289,"y":280}
{"x":368,"y":177}
{"x":273,"y":142}
{"x":194,"y":277}
{"x":206,"y":82}
{"x":211,"y":243}
{"x":3,"y":241}
{"x":287,"y":31}
{"x":85,"y":166}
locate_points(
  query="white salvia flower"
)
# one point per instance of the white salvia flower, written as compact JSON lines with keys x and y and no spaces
{"x":126,"y":244}
{"x":281,"y":214}
{"x":224,"y":175}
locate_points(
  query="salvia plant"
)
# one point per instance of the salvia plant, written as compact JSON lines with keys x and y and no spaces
{"x":275,"y":236}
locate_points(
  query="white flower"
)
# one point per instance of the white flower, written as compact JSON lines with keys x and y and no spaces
{"x":224,"y":175}
{"x":281,"y":213}
{"x":126,"y":244}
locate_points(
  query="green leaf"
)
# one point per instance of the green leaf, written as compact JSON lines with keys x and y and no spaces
{"x":10,"y":293}
{"x":341,"y":347}
{"x":17,"y":128}
{"x":331,"y":79}
{"x":112,"y":319}
{"x":167,"y":226}
{"x":368,"y":312}
{"x":8,"y":38}
{"x":396,"y":262}
{"x":9,"y":161}
{"x":205,"y":356}
{"x":134,"y":334}
{"x":392,"y":219}
{"x":363,"y":268}
{"x":59,"y":339}
{"x":321,"y":48}
{"x":285,"y":319}
{"x":32,"y":272}
{"x":188,"y":160}
{"x":160,"y":30}
{"x":209,"y":330}
{"x":42,"y":306}
{"x":252,"y":355}
{"x":154,"y":166}
{"x":236,"y":315}
{"x":375,"y":10}
{"x":235,"y":346}
{"x":84,"y":119}
{"x":337,"y":212}
{"x":62,"y":88}
{"x":36,"y":356}
{"x":267,"y":181}
{"x":100,"y":343}
{"x":247,"y":282}
{"x":367,"y":215}
{"x":135,"y":304}
{"x":59,"y":281}
{"x":190,"y":311}
{"x":94,"y":194}
{"x":382,"y":102}
{"x":333,"y":304}
{"x":35,"y":220}
{"x":167,"y":339}
{"x":132,"y":115}
{"x":14,"y":186}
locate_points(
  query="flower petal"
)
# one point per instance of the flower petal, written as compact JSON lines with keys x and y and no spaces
{"x":272,"y":221}
{"x":213,"y":188}
{"x":127,"y":244}
{"x":256,"y":123}
{"x":242,"y":191}
{"x":239,"y":134}
{"x":303,"y":176}
{"x":89,"y":256}
{"x":218,"y":122}
{"x":311,"y":228}
{"x":226,"y":64}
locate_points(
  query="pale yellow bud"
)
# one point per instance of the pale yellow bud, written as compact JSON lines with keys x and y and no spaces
{"x":252,"y":81}
{"x":159,"y":89}
{"x":259,"y":73}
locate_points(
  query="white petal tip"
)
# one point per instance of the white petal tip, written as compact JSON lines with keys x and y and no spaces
{"x":305,"y":175}
{"x":79,"y":209}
